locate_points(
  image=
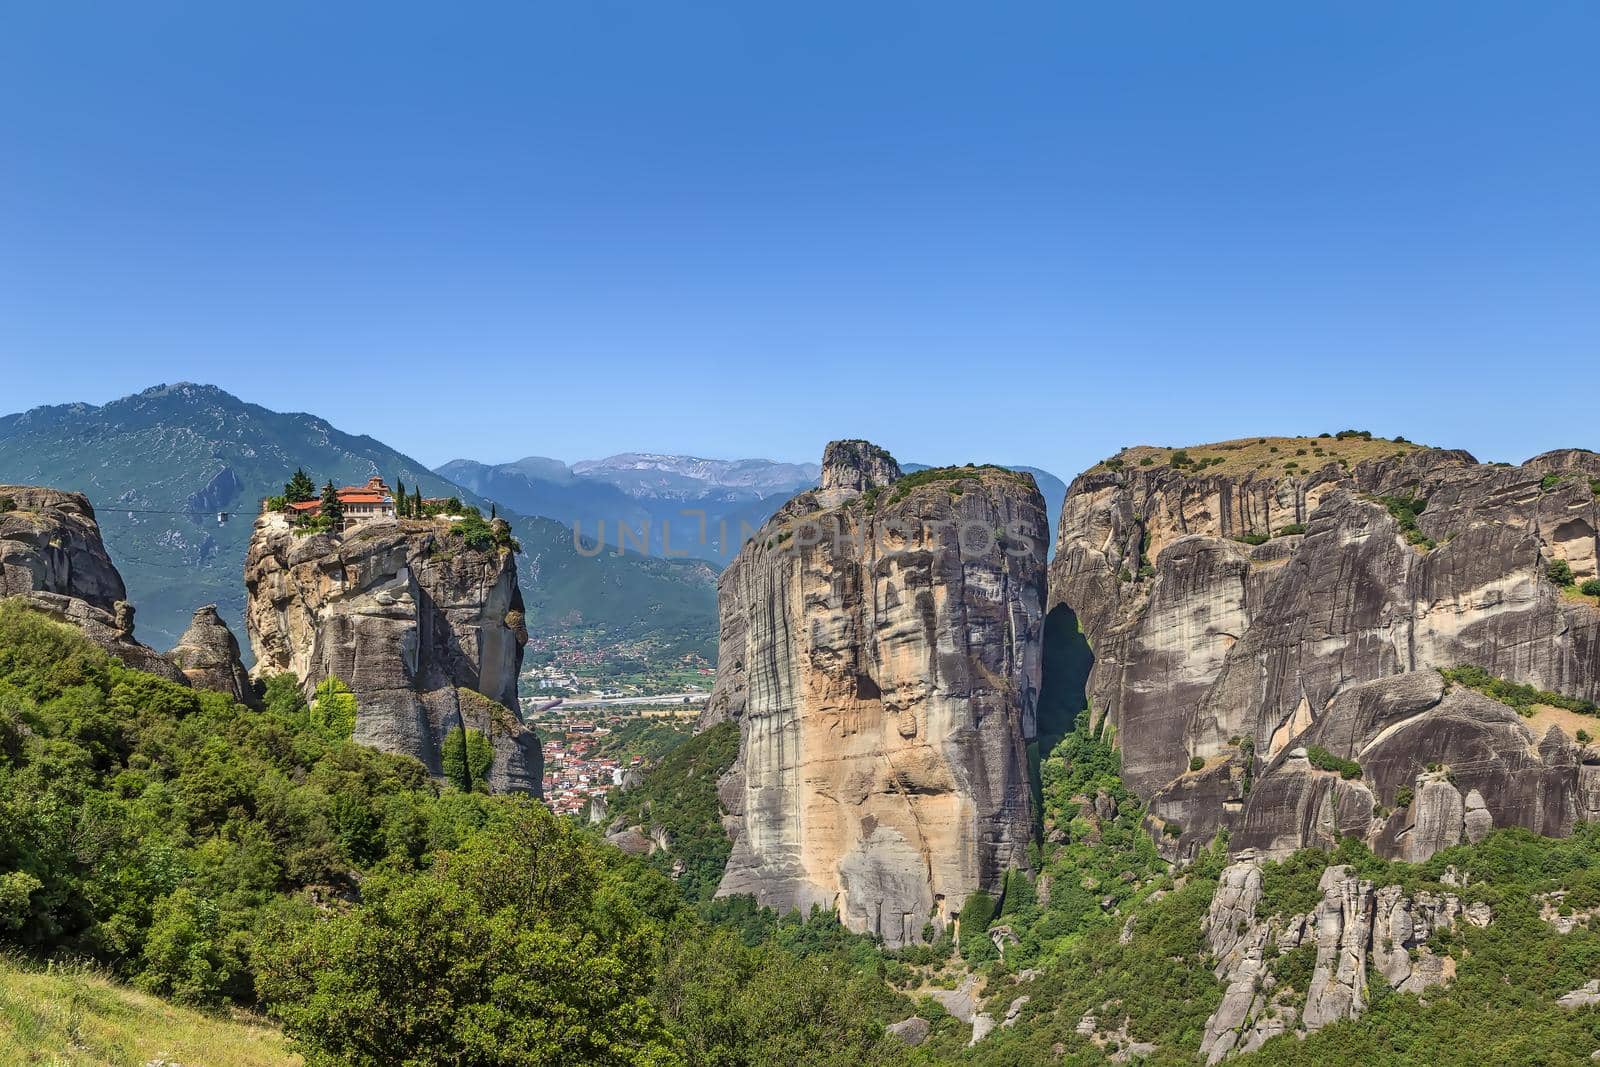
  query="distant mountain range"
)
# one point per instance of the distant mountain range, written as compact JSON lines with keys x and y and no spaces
{"x":680,"y":504}
{"x":699,"y":506}
{"x":161,"y":465}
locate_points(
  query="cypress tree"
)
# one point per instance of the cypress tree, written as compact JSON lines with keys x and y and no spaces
{"x":416,"y":504}
{"x":300,"y":488}
{"x":332,"y":510}
{"x":400,"y":498}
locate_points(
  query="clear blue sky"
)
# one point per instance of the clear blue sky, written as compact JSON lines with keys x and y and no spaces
{"x":1019,"y":232}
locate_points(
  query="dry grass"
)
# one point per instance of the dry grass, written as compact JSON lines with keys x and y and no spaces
{"x":1265,"y":456}
{"x":75,"y":1017}
{"x":1575,"y":595}
{"x":1544,"y":716}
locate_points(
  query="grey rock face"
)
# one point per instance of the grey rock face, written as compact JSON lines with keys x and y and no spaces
{"x":208,"y":655}
{"x":852,"y":467}
{"x":51,"y":555}
{"x":1352,"y":925}
{"x":50,"y":543}
{"x":913,"y":1031}
{"x":881,"y":657}
{"x":1584,"y":996}
{"x":1331,"y":638}
{"x":424,"y":630}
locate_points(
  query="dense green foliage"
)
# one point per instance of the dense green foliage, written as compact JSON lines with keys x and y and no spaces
{"x":680,"y":795}
{"x":466,"y":758}
{"x":212,"y":853}
{"x":1513,"y":694}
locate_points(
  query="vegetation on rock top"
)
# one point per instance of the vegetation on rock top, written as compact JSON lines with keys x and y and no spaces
{"x":1265,"y":457}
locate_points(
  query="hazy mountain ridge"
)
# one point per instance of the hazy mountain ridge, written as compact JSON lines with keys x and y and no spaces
{"x":159,"y":465}
{"x":664,"y":493}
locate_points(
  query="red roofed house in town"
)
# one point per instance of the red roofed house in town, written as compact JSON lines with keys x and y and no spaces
{"x":374,"y":500}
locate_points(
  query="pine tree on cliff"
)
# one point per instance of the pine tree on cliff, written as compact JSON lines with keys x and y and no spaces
{"x":332,"y":510}
{"x":300,"y":488}
{"x":399,"y":498}
{"x":493,"y":512}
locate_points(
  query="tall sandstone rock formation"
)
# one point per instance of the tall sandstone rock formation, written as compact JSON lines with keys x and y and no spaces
{"x":208,"y":655}
{"x":879,"y":650}
{"x":52,"y":556}
{"x":1370,"y":575}
{"x":423,"y":628}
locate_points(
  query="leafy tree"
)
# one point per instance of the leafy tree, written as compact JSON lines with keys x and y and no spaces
{"x":333,"y":710}
{"x":1560,"y":572}
{"x":515,"y":953}
{"x":467,"y":760}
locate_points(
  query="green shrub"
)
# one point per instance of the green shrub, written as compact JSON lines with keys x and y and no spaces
{"x":1147,"y":461}
{"x":1365,"y":435}
{"x":1324,"y":760}
{"x":1513,"y":694}
{"x":1560,"y":572}
{"x":1172,"y":829}
{"x":468,"y":771}
{"x":1404,"y":796}
{"x":976,"y":915}
{"x":332,"y":712}
{"x":1252,"y":538}
{"x":1291,"y":529}
{"x":1590,"y":587}
{"x":1405,"y":510}
{"x":1180,"y":459}
{"x":1197,"y":763}
{"x":1550,"y":481}
{"x":7,"y":503}
{"x":1584,"y":737}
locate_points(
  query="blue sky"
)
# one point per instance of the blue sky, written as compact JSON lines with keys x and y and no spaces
{"x":1016,"y":232}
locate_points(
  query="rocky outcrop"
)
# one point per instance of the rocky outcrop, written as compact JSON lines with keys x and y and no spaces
{"x":1353,"y":930}
{"x":208,"y":656}
{"x":1250,"y":615}
{"x":52,"y":556}
{"x":880,"y":653}
{"x":425,"y":630}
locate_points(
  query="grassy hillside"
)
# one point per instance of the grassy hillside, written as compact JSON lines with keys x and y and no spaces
{"x":75,"y":1016}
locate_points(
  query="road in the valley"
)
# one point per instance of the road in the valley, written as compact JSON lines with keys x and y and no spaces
{"x":615,"y":702}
